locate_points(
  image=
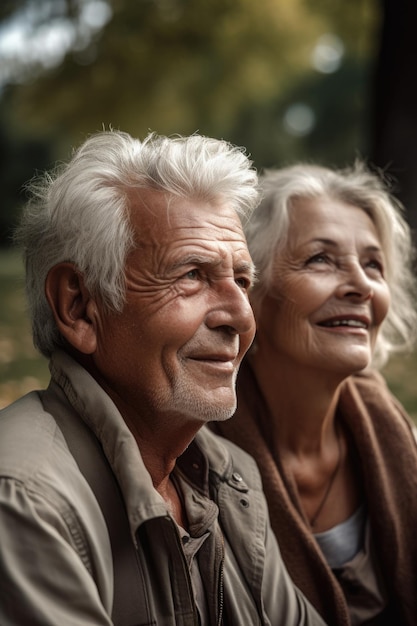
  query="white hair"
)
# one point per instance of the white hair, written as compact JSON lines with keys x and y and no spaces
{"x":267,"y":232}
{"x":80,"y":212}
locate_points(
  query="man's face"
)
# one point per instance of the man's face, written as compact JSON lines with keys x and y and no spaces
{"x":176,"y":347}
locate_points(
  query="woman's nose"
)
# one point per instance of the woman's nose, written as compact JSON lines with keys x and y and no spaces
{"x":356,"y":283}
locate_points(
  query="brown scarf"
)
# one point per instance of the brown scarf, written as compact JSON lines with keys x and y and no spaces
{"x":388,"y":455}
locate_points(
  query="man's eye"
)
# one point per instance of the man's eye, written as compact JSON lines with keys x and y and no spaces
{"x":243,"y":282}
{"x":192,"y":275}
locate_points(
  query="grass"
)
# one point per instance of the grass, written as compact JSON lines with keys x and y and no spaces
{"x":400,"y":373}
{"x":23,"y":369}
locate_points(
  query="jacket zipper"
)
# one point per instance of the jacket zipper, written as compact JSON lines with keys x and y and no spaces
{"x":221,"y":581}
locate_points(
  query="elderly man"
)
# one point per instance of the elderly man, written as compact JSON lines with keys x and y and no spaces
{"x":116,"y":506}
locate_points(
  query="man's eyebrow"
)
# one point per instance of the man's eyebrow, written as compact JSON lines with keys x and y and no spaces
{"x":246,"y":268}
{"x":192,"y":259}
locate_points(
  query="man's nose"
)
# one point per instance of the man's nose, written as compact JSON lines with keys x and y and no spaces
{"x":231,"y":309}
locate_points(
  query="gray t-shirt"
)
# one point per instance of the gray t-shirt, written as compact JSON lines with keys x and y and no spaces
{"x":347,"y":548}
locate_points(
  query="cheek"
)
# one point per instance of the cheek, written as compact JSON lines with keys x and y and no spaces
{"x":160,"y":335}
{"x":246,"y":340}
{"x":381,"y":304}
{"x":301,"y":293}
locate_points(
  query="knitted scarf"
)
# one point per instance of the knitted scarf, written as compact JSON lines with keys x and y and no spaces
{"x":388,"y":455}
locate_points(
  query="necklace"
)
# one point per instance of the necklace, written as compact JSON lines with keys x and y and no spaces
{"x":319,"y":509}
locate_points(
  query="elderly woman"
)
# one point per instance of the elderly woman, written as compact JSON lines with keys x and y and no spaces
{"x":336,"y":449}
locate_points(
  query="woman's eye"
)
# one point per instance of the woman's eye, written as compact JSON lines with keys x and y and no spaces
{"x":318,"y":258}
{"x":374,"y":264}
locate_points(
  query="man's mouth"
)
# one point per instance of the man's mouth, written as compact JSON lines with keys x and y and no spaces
{"x":220,"y":363}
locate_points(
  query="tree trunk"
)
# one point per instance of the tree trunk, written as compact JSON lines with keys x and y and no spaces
{"x":394,"y":107}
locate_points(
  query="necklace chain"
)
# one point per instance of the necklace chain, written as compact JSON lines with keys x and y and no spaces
{"x":319,"y":509}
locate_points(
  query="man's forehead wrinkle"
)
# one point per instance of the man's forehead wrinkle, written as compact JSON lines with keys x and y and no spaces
{"x":149,"y":234}
{"x":174,"y":213}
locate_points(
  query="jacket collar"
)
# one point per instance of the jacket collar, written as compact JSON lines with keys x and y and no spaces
{"x":205,"y":454}
{"x":101,"y":415}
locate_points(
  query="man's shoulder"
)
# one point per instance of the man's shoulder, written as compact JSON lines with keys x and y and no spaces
{"x":25,"y":428}
{"x":22,"y":410}
{"x":36,"y":461}
{"x":31,"y":443}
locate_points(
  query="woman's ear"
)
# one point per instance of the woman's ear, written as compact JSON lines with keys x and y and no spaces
{"x":73,"y":308}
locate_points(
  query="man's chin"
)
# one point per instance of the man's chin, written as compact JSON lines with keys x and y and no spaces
{"x":221,"y":414}
{"x":212,"y":413}
{"x":217,"y":405}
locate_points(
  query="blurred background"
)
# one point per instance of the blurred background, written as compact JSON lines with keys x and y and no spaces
{"x":316,"y":80}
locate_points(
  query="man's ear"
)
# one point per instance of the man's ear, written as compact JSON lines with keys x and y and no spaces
{"x":73,"y":308}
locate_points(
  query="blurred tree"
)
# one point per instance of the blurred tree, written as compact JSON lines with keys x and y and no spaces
{"x":285,"y":78}
{"x":335,"y":130}
{"x":172,"y":65}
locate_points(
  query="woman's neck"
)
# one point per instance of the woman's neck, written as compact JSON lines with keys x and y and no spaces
{"x":307,"y":440}
{"x":301,"y":404}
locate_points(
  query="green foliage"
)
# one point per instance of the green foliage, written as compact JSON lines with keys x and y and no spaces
{"x":226,"y":68}
{"x":181,"y":66}
{"x":340,"y":133}
{"x":169,"y":66}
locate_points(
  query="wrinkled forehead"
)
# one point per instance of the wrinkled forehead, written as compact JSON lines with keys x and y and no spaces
{"x":168,"y":230}
{"x":158,"y":215}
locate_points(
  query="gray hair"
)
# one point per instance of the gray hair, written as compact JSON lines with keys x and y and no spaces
{"x":267,"y":232}
{"x":79,"y":213}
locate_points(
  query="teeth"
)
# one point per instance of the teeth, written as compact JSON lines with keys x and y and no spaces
{"x":353,"y":323}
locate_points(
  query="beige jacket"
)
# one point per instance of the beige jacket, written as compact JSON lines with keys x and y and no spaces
{"x":56,"y":560}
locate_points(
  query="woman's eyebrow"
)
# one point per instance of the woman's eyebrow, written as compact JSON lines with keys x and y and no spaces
{"x":325,"y":241}
{"x":334,"y":244}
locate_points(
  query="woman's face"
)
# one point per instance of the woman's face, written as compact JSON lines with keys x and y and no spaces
{"x":329,"y":295}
